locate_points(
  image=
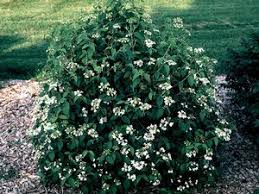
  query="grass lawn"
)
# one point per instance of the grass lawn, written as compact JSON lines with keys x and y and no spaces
{"x":25,"y":26}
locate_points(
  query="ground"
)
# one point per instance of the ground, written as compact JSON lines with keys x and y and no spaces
{"x":238,"y":159}
{"x":26,"y":25}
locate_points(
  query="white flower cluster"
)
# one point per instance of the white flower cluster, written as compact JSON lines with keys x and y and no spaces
{"x":95,"y":104}
{"x":165,"y":156}
{"x":139,"y":165}
{"x":165,"y":122}
{"x":187,"y":184}
{"x":178,"y":22}
{"x":93,"y":133}
{"x":123,"y":40}
{"x":72,"y":65}
{"x":84,"y":112}
{"x":152,"y":131}
{"x":128,"y":168}
{"x":145,"y":106}
{"x":118,"y":137}
{"x":143,"y":152}
{"x":48,"y":100}
{"x":182,"y":114}
{"x":138,"y":63}
{"x":147,"y":32}
{"x":116,"y":26}
{"x":103,"y":120}
{"x":191,"y":154}
{"x":168,"y":100}
{"x":82,"y":176}
{"x":152,"y":61}
{"x":55,"y":134}
{"x":106,"y":88}
{"x":193,"y":166}
{"x":208,"y":155}
{"x":171,"y":62}
{"x":223,"y":133}
{"x":199,"y":50}
{"x":149,"y":43}
{"x":137,"y":102}
{"x":89,"y":74}
{"x":165,"y":86}
{"x":78,"y":93}
{"x":96,"y":35}
{"x":130,"y":130}
{"x":204,"y":81}
{"x":118,"y":111}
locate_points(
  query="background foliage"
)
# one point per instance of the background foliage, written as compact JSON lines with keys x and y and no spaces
{"x":243,"y":71}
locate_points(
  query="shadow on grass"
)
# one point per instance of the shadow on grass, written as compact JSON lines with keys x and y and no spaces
{"x":214,"y":25}
{"x":20,"y":62}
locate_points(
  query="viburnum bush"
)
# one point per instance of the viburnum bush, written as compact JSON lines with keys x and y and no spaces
{"x":128,"y":107}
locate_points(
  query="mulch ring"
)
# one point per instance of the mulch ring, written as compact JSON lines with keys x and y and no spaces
{"x":238,"y":158}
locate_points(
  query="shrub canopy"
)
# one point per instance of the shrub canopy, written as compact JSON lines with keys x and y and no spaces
{"x":129,"y":107}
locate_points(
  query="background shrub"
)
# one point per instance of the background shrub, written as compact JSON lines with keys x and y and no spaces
{"x":127,"y":107}
{"x":243,"y":72}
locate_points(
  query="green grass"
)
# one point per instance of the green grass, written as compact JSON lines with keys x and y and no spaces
{"x":25,"y":26}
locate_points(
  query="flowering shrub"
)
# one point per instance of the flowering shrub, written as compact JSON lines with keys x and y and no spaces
{"x":128,"y":108}
{"x":242,"y":76}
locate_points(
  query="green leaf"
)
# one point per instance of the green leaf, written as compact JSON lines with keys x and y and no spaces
{"x":159,"y":100}
{"x":147,"y":77}
{"x":51,"y":155}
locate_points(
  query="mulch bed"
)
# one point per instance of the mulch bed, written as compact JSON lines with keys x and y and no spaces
{"x":239,"y":161}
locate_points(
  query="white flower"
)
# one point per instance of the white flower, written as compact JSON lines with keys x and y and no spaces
{"x":193,"y":166}
{"x":145,"y":106}
{"x":89,"y":74}
{"x":72,"y":65}
{"x":168,"y":100}
{"x":182,"y":114}
{"x":208,"y":155}
{"x":139,"y":63}
{"x":126,"y":168}
{"x":118,"y":111}
{"x":139,"y":165}
{"x":178,"y":22}
{"x":147,"y":32}
{"x":204,"y":81}
{"x":116,"y":26}
{"x":96,"y":35}
{"x":93,"y":133}
{"x":84,"y":112}
{"x":134,"y":102}
{"x":191,"y":154}
{"x":123,"y":40}
{"x":223,"y":133}
{"x":130,"y":130}
{"x":165,"y":122}
{"x":171,"y":62}
{"x":149,"y":43}
{"x":78,"y":93}
{"x":95,"y":104}
{"x":103,"y":120}
{"x":131,"y":177}
{"x":165,"y":86}
{"x":111,"y":92}
{"x":198,"y":50}
{"x":152,"y":61}
{"x":149,"y":136}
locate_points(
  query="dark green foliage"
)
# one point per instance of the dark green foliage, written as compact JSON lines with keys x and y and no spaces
{"x":243,"y":76}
